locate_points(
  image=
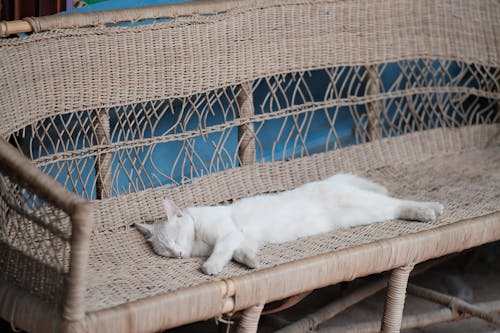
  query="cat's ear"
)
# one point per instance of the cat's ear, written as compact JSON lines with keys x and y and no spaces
{"x":145,"y":229}
{"x":172,"y":209}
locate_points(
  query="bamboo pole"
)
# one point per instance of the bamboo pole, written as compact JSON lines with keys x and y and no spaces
{"x":454,"y":303}
{"x":14,"y":27}
{"x":99,"y":18}
{"x":412,"y":321}
{"x":311,"y":321}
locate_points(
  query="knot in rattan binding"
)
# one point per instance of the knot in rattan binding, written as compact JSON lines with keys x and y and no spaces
{"x":34,"y":23}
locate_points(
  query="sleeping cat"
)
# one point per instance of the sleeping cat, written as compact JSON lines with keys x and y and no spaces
{"x":237,"y":230}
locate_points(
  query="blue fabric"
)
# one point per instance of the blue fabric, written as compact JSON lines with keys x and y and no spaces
{"x":118,"y":4}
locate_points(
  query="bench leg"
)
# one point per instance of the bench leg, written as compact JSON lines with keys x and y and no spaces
{"x":250,"y":319}
{"x":395,"y":300}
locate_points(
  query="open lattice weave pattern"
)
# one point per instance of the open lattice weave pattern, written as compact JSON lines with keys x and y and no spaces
{"x":119,"y":150}
{"x":34,"y":240}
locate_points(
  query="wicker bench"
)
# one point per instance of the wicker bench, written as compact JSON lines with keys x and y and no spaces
{"x":222,"y":100}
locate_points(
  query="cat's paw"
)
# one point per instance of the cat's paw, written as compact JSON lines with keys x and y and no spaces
{"x":426,"y":214}
{"x":423,"y":211}
{"x":249,"y":261}
{"x":436,"y":207}
{"x":246,"y":257}
{"x":420,"y":212}
{"x":430,"y":211}
{"x":211,"y":267}
{"x":252,"y":262}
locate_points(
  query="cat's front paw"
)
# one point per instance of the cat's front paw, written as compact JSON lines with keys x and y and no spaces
{"x":211,"y":267}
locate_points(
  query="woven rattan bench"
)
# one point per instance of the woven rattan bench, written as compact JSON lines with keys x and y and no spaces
{"x":221,"y":100}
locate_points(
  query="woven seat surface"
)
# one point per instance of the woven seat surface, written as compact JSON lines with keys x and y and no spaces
{"x":123,"y":267}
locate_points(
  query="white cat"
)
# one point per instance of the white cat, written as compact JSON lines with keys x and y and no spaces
{"x":237,"y":230}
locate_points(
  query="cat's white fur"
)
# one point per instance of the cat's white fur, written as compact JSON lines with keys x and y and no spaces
{"x":237,"y":230}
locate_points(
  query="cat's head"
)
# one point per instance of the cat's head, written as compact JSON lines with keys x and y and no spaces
{"x":171,"y":238}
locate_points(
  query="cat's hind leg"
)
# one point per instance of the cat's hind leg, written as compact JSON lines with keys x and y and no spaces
{"x":419,"y":211}
{"x":246,"y":253}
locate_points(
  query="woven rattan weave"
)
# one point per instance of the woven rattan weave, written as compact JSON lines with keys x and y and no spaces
{"x":223,"y":100}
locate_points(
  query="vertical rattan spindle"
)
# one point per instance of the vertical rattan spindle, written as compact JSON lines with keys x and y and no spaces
{"x":246,"y":153}
{"x":395,"y":300}
{"x":374,"y":108}
{"x":103,"y":160}
{"x":246,"y":134}
{"x":73,"y":311}
{"x":250,"y":319}
{"x":497,"y":81}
